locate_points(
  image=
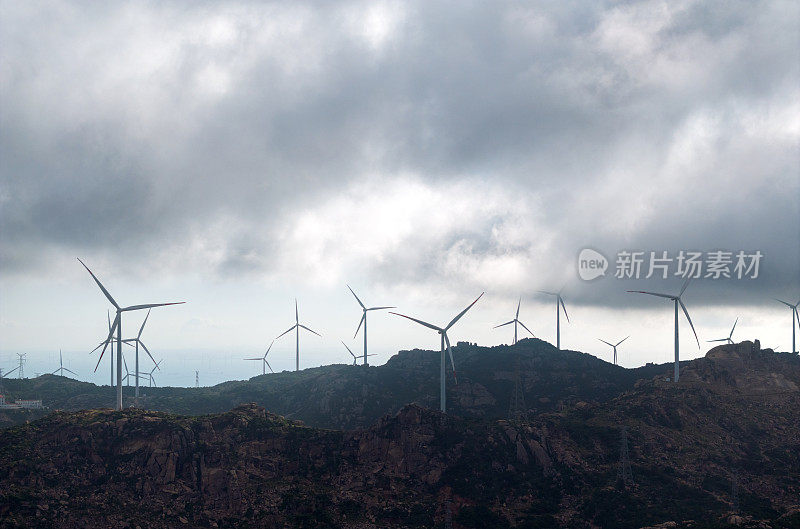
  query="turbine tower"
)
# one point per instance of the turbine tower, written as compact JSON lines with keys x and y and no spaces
{"x":263,"y":359}
{"x":729,"y":339}
{"x":118,"y":327}
{"x":677,"y":300}
{"x":614,"y":345}
{"x":515,"y":321}
{"x":444,"y":340}
{"x":61,"y":367}
{"x":296,"y":327}
{"x":794,"y":316}
{"x":559,"y":301}
{"x":364,"y":310}
{"x":355,"y":358}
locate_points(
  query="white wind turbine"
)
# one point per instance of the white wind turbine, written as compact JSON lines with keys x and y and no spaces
{"x":118,"y":327}
{"x":677,"y":301}
{"x":516,"y":321}
{"x":729,"y":338}
{"x":263,"y":359}
{"x":150,"y":373}
{"x":61,"y":367}
{"x":445,"y":341}
{"x":355,"y":358}
{"x":364,"y":321}
{"x":296,"y":327}
{"x":614,"y":345}
{"x":138,"y":341}
{"x":559,"y":301}
{"x":794,"y":316}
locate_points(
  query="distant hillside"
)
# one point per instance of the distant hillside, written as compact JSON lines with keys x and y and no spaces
{"x":734,"y":416}
{"x":347,"y":397}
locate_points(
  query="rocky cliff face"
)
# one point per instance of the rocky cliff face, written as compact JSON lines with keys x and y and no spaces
{"x":251,"y":468}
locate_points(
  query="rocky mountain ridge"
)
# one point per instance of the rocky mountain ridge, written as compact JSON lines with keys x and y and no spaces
{"x":688,"y":442}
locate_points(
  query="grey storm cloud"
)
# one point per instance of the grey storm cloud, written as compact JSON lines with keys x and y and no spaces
{"x":208,"y":128}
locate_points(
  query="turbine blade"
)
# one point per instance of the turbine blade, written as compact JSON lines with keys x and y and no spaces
{"x":605,"y":342}
{"x":380,"y":308}
{"x":348,"y":349}
{"x":797,"y":317}
{"x":354,"y":295}
{"x":259,"y":358}
{"x":734,"y":326}
{"x":519,"y":303}
{"x":151,"y":305}
{"x":718,"y":340}
{"x":686,"y":312}
{"x":428,"y":325}
{"x":619,"y":342}
{"x":668,"y":296}
{"x":309,"y":330}
{"x":70,"y":371}
{"x":503,"y":324}
{"x":563,"y":307}
{"x":268,"y":348}
{"x":146,"y":350}
{"x":287,"y":331}
{"x":296,"y":312}
{"x":363,"y":317}
{"x":99,"y":284}
{"x":269,"y":366}
{"x":527,"y":329}
{"x":145,"y":321}
{"x":108,"y":340}
{"x":685,"y":284}
{"x":450,"y":352}
{"x":784,"y":302}
{"x":548,"y":293}
{"x":454,"y":320}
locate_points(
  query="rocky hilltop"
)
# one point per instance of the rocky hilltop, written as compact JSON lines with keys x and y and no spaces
{"x":733,"y":418}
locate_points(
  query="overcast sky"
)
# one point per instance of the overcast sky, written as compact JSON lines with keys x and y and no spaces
{"x":238,"y":154}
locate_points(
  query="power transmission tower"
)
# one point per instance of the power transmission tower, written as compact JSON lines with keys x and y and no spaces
{"x":624,"y":471}
{"x":197,"y":379}
{"x":735,"y":492}
{"x":516,"y":408}
{"x":21,"y":372}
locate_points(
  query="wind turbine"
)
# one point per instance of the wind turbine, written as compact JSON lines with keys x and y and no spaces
{"x":729,"y":339}
{"x":614,"y":345}
{"x":61,"y":366}
{"x":794,"y":313}
{"x":296,"y":327}
{"x":515,"y":321}
{"x":355,"y":358}
{"x":138,"y":341}
{"x":445,"y":340}
{"x":264,"y":363}
{"x":364,"y":321}
{"x":677,"y":301}
{"x":559,"y":301}
{"x":150,"y":373}
{"x":118,"y":327}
